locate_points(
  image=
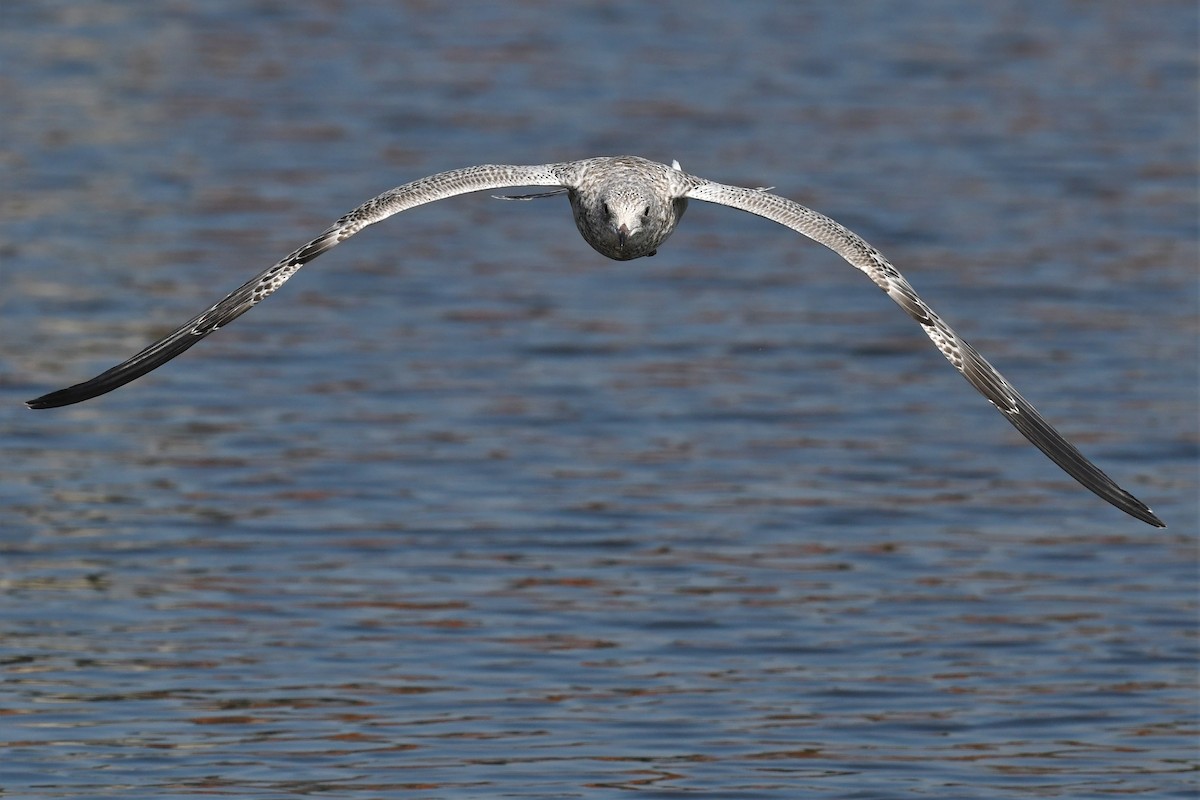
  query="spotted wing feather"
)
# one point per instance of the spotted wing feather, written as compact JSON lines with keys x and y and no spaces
{"x":974,"y":367}
{"x":263,"y":285}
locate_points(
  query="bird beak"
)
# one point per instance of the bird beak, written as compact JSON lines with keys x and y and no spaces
{"x":622,"y":234}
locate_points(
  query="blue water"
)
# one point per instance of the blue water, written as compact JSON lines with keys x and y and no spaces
{"x":469,"y":511}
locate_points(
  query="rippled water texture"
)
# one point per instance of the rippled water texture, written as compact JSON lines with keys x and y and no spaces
{"x":468,"y":511}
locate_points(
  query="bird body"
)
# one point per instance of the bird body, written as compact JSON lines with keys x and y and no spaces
{"x":625,"y":207}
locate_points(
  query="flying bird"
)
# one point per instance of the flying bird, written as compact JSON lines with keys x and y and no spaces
{"x":625,"y":207}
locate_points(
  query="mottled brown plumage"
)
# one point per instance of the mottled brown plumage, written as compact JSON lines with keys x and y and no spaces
{"x":625,"y":207}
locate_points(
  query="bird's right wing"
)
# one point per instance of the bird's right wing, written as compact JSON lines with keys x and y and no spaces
{"x":427,"y":190}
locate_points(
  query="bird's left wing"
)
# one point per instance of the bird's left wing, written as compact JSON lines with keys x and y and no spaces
{"x":427,"y":190}
{"x":974,"y":367}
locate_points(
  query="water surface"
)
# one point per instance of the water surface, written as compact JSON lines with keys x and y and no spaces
{"x":469,"y":511}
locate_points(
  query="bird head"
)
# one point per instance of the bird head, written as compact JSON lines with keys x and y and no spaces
{"x":623,"y":222}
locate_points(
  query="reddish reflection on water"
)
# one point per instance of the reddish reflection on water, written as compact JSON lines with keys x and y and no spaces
{"x":466,"y":512}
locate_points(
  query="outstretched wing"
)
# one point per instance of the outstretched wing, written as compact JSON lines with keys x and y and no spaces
{"x":974,"y":367}
{"x":258,"y":288}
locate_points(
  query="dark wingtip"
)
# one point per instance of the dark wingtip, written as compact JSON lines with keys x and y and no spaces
{"x":63,"y":397}
{"x":45,"y":401}
{"x":103,"y":383}
{"x":1152,"y":518}
{"x":1137,"y":509}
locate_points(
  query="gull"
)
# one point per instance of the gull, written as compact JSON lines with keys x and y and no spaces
{"x":625,"y":207}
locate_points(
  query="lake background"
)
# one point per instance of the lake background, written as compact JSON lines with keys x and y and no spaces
{"x":468,"y":510}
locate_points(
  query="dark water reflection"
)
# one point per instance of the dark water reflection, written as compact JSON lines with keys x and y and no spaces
{"x":470,"y":512}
